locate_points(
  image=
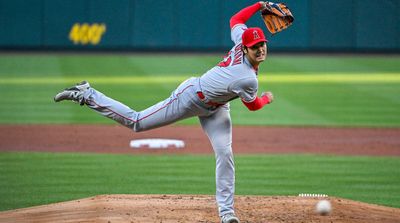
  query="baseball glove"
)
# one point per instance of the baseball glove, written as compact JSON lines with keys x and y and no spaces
{"x":276,"y":16}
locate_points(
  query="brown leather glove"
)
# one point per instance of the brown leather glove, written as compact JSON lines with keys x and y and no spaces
{"x":276,"y":16}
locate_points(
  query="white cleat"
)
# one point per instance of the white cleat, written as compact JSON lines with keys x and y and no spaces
{"x":229,"y":218}
{"x":74,"y":93}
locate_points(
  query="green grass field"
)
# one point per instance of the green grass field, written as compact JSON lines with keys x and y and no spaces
{"x":29,"y":179}
{"x":320,"y":91}
{"x":344,"y":91}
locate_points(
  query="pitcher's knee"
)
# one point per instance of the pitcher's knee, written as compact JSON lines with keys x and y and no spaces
{"x":223,"y":152}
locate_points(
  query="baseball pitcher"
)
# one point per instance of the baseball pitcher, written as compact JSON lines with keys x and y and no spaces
{"x":206,"y":97}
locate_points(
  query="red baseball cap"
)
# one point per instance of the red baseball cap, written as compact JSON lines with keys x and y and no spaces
{"x":252,"y":36}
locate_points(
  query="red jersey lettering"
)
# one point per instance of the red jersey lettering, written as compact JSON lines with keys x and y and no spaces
{"x":238,"y":55}
{"x":227,"y":60}
{"x":237,"y":59}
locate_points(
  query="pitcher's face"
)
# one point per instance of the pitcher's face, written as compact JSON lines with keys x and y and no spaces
{"x":257,"y":53}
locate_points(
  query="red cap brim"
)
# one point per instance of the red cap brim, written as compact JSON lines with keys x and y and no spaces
{"x":255,"y":42}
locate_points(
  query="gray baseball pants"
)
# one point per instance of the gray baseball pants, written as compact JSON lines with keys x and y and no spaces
{"x":183,"y":103}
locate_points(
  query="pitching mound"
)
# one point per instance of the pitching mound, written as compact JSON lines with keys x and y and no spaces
{"x":199,"y":208}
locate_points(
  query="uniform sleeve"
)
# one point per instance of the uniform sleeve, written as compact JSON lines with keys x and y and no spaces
{"x":245,"y":14}
{"x":237,"y":21}
{"x":236,"y":33}
{"x":245,"y":88}
{"x":257,"y":103}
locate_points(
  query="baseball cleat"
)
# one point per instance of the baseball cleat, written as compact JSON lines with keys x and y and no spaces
{"x":229,"y":218}
{"x":74,"y":93}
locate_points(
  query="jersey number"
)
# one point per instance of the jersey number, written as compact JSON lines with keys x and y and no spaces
{"x":226,"y":61}
{"x":238,"y":54}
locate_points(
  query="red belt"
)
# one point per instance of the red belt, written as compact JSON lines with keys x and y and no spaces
{"x":202,"y":97}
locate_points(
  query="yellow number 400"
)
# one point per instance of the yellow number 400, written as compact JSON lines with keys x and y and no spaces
{"x":87,"y":34}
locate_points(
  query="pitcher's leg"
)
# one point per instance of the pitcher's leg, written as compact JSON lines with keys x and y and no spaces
{"x":84,"y":94}
{"x":177,"y":107}
{"x":110,"y":108}
{"x":218,"y":128}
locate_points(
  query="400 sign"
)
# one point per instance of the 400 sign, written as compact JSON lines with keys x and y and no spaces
{"x":87,"y":34}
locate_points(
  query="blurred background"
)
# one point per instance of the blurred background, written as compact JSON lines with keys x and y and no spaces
{"x":165,"y":42}
{"x":176,"y":25}
{"x":337,"y":67}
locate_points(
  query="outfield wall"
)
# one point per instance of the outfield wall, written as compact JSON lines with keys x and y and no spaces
{"x":327,"y":25}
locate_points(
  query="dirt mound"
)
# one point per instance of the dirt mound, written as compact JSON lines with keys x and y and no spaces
{"x":200,"y":208}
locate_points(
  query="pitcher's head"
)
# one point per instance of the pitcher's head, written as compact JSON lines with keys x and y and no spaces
{"x":254,"y":45}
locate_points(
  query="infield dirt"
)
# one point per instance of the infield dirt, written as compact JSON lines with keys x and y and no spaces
{"x":201,"y":208}
{"x":246,"y":139}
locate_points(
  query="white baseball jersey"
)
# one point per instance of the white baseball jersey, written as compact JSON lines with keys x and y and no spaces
{"x":206,"y":97}
{"x":233,"y":77}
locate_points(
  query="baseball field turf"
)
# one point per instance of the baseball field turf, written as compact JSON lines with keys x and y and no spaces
{"x":329,"y":91}
{"x":309,"y":90}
